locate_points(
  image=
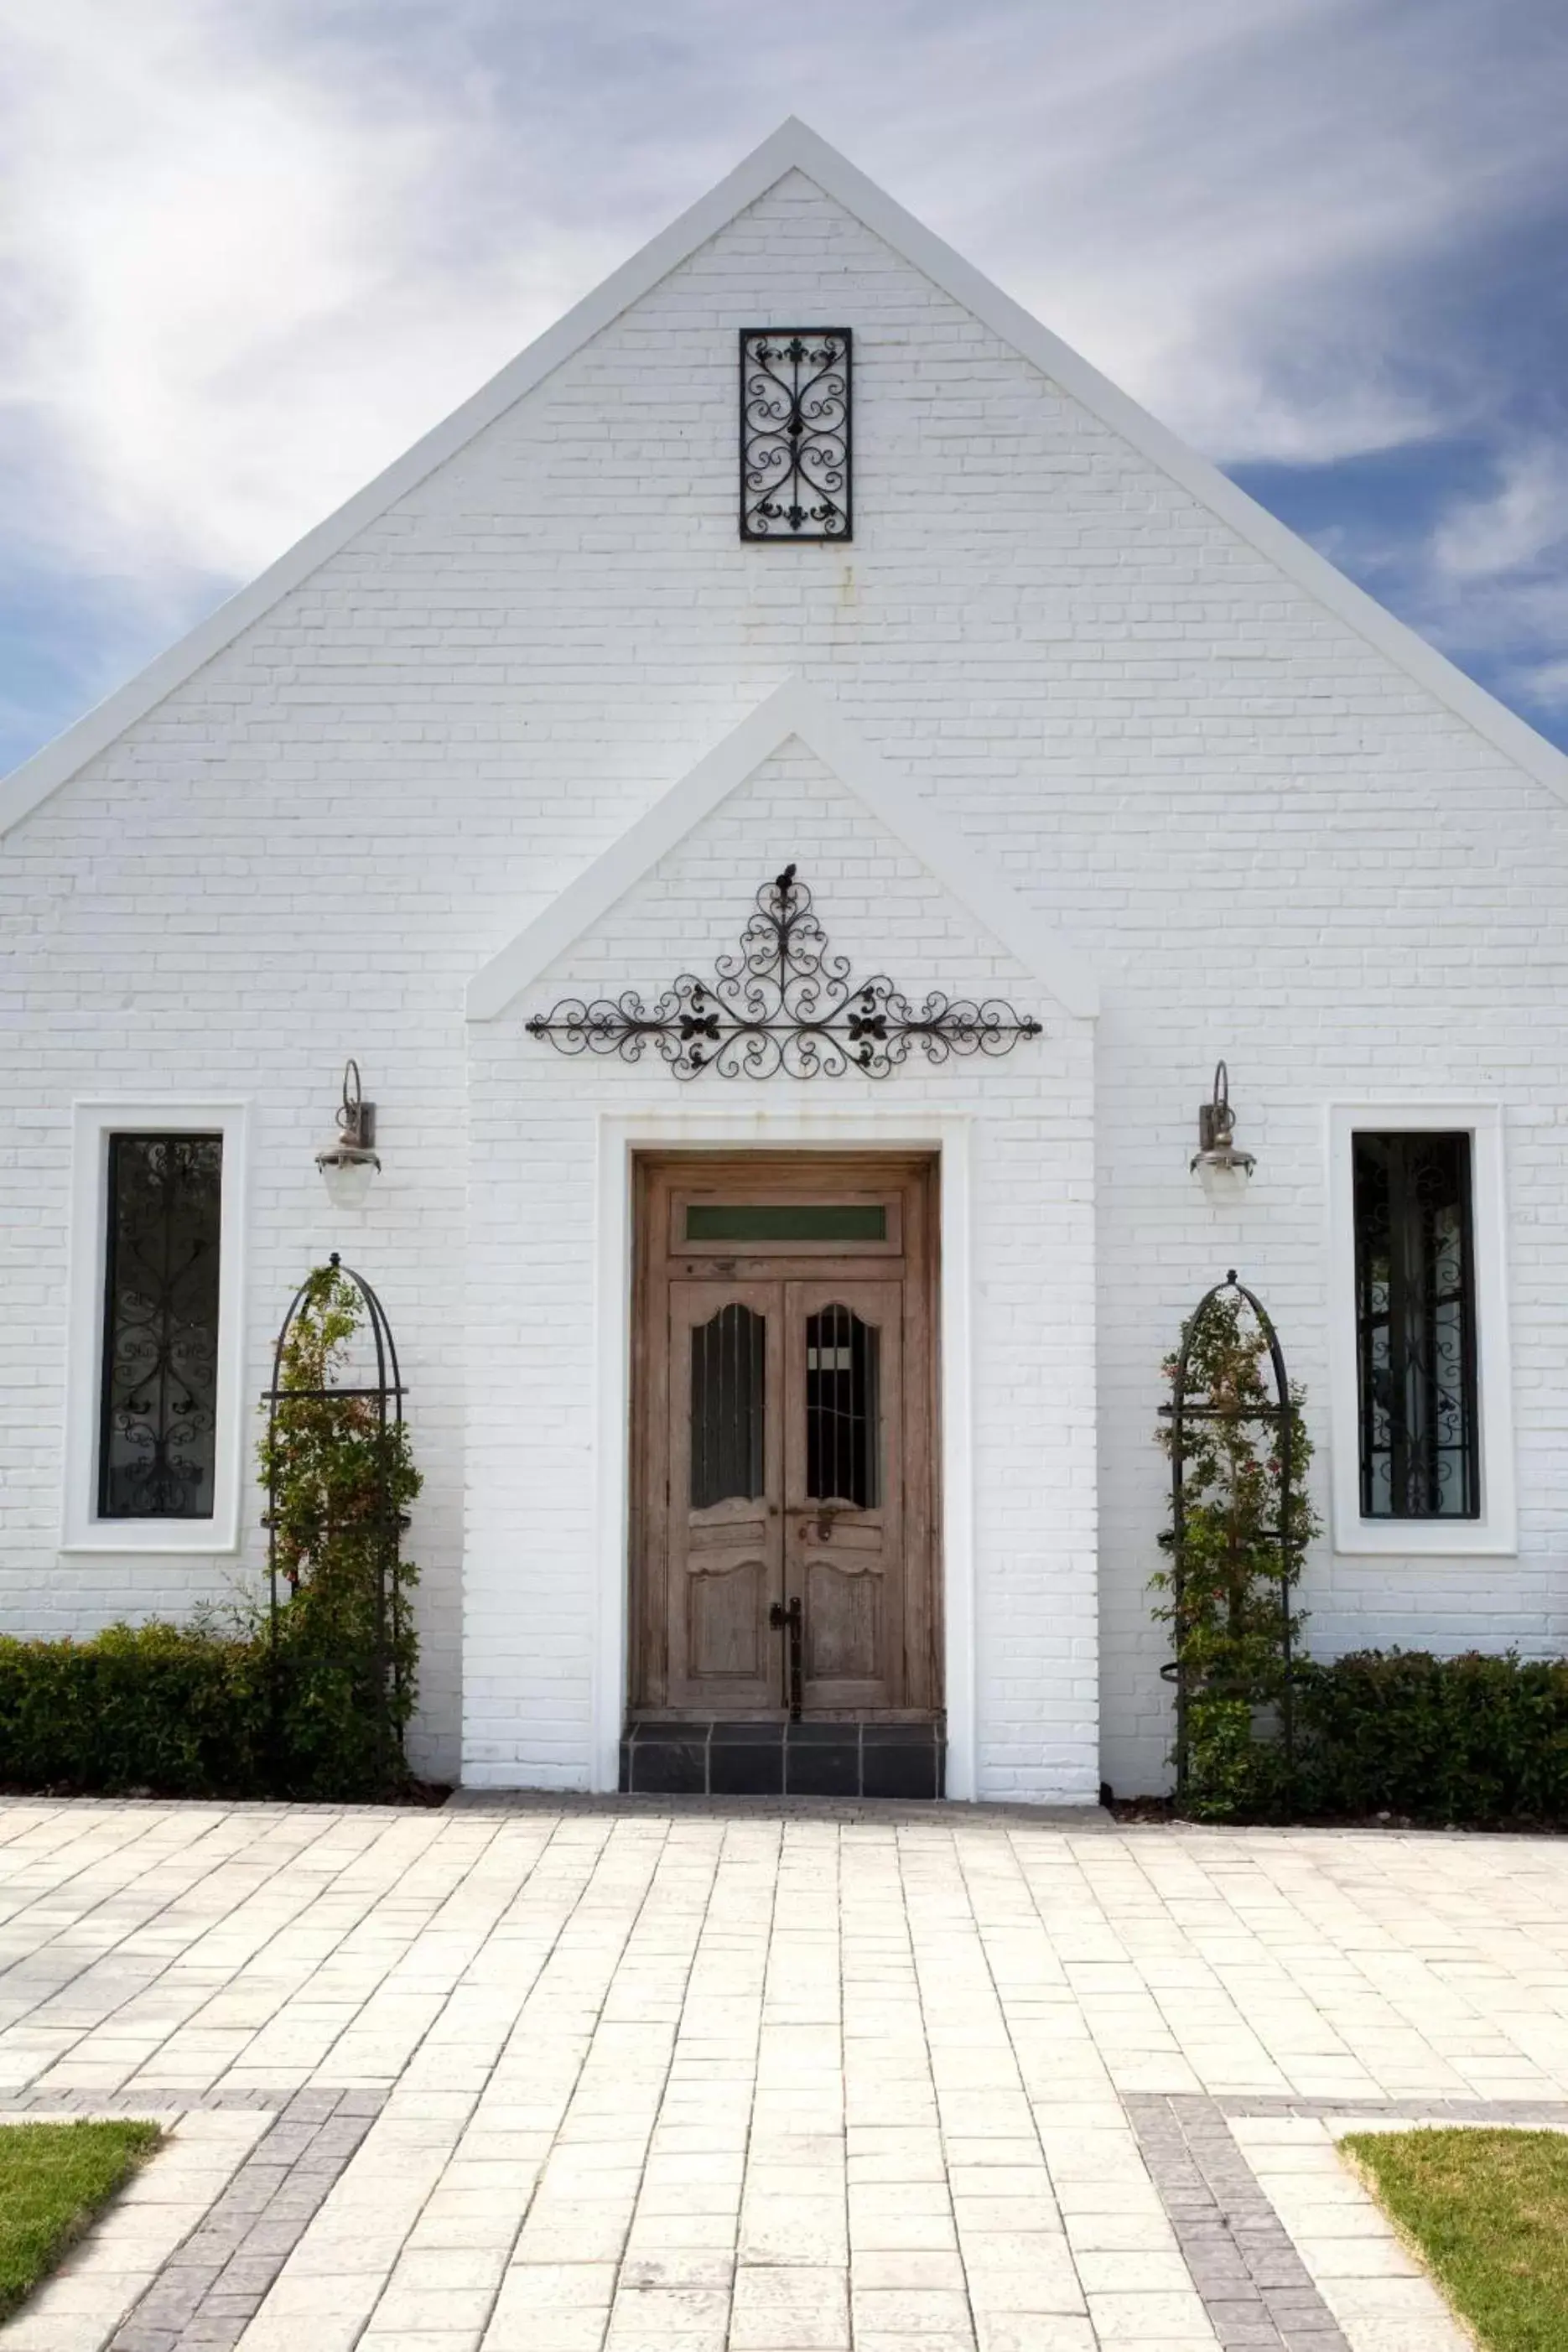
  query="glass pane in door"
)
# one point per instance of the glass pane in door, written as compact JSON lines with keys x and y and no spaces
{"x":729,"y":1379}
{"x":843,"y":1437}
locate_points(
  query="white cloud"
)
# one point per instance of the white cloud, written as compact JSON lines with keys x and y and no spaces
{"x":256,"y":247}
{"x":1522,"y":520}
{"x":226,"y":310}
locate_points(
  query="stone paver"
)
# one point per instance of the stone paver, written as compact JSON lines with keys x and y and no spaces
{"x":612,"y":2078}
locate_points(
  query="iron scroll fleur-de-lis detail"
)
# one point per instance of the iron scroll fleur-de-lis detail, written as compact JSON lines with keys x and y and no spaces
{"x":783,"y":1003}
{"x":796,"y":433}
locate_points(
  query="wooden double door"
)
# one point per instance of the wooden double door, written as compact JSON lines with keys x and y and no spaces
{"x":784,"y":1523}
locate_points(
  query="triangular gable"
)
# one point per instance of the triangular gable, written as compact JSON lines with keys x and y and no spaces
{"x":794,"y":710}
{"x":793,"y":147}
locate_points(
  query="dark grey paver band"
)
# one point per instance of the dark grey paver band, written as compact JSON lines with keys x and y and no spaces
{"x":211,"y":2288}
{"x":211,"y":2285}
{"x":1255,"y":2286}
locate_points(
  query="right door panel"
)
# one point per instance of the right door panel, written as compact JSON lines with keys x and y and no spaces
{"x":844,"y":1414}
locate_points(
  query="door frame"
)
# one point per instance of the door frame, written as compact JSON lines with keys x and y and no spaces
{"x":807,"y":1127}
{"x":903,"y":1269}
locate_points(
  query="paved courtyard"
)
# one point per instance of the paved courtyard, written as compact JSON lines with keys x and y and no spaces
{"x":539,"y":2078}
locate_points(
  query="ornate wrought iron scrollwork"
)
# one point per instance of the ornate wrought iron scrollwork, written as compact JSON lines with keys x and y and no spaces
{"x":158,"y":1413}
{"x":794,"y":433}
{"x":783,"y":1003}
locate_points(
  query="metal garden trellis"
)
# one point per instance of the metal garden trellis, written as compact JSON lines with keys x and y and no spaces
{"x":1185,"y":1409}
{"x":384,"y":1396}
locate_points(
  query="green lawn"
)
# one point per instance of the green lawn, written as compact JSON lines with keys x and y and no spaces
{"x":53,"y":2179}
{"x":1488,"y":2212}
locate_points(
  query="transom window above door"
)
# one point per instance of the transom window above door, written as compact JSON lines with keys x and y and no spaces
{"x":868,"y":1224}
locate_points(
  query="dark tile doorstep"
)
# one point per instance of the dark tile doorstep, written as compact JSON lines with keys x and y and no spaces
{"x":783,"y":1759}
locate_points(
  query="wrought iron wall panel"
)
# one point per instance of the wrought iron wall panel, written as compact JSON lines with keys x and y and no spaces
{"x":1416,"y":1328}
{"x":157,"y":1427}
{"x":796,"y":416}
{"x":783,"y":1003}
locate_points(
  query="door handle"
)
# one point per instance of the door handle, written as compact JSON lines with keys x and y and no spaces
{"x":784,"y":1617}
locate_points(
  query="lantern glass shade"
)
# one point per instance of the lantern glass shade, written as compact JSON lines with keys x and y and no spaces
{"x":1224,"y":1176}
{"x":347,"y":1175}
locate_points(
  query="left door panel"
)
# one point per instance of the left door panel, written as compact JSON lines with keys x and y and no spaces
{"x":725,"y":1423}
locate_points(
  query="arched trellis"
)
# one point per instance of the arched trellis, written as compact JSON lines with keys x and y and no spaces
{"x":1183,"y":1411}
{"x":381,"y":1398}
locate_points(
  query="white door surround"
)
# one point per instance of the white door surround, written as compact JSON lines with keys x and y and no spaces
{"x":809,"y":1127}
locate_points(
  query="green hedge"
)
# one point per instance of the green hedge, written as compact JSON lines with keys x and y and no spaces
{"x":181,"y":1711}
{"x":1470,"y":1740}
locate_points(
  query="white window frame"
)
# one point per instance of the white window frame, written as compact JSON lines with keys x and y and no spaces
{"x":82,"y":1529}
{"x":1496,"y":1532}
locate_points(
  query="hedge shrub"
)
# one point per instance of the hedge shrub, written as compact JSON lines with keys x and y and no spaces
{"x":1470,"y":1740}
{"x":184,"y":1711}
{"x":178,"y":1711}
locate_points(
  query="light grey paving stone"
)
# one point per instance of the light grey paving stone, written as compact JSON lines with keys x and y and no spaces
{"x":797,"y":2030}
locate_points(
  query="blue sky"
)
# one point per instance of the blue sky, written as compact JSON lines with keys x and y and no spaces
{"x":249,"y":250}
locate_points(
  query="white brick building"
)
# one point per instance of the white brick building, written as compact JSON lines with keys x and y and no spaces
{"x":1064,"y":720}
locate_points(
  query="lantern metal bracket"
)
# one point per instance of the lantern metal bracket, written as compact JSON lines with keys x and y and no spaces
{"x":356,"y":1116}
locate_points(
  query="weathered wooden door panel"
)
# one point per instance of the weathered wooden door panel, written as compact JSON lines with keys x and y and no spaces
{"x":724,"y":1489}
{"x":843,"y":1488}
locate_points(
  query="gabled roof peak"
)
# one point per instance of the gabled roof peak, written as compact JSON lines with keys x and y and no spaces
{"x":793,"y":146}
{"x":794,"y":710}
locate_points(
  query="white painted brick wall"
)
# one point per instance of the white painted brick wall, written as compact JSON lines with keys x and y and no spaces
{"x":1271,"y":843}
{"x":533,"y":1425}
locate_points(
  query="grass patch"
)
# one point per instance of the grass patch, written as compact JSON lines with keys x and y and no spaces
{"x":54,"y":2177}
{"x":1488,"y":2212}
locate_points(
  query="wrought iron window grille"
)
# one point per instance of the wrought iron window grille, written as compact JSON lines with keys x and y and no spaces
{"x":1415,"y":1326}
{"x":158,"y":1405}
{"x":783,"y":1003}
{"x":796,"y":457}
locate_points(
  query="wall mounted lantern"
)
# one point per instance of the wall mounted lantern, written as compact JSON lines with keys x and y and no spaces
{"x":349,"y":1161}
{"x":1222,"y":1170}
